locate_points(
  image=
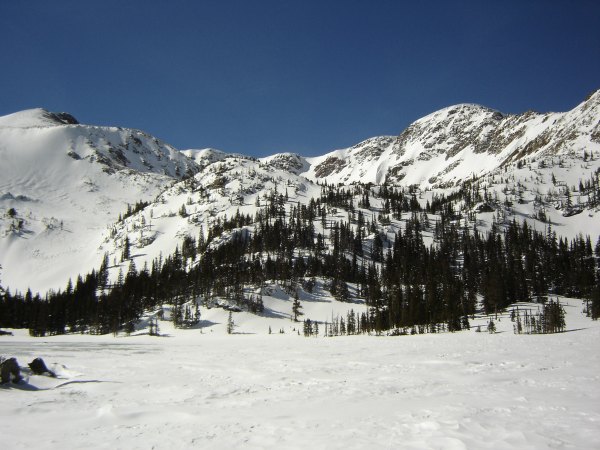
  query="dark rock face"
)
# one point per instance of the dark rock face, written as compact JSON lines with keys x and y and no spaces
{"x":60,"y":118}
{"x":329,"y":166}
{"x":65,"y":118}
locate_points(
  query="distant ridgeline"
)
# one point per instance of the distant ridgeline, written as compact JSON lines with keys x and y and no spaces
{"x":429,"y":267}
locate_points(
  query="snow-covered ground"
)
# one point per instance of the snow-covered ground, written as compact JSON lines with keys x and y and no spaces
{"x":259,"y":390}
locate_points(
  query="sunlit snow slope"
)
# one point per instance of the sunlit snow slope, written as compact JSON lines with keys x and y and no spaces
{"x":62,"y":183}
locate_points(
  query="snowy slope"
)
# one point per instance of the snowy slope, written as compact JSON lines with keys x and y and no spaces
{"x":67,"y":182}
{"x":222,"y":189}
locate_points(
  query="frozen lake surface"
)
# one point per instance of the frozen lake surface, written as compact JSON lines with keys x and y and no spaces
{"x":213,"y":390}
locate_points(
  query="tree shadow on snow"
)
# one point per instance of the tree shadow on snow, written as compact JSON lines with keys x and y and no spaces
{"x":203,"y":324}
{"x":272,"y":314}
{"x":316,"y":297}
{"x":574,"y":329}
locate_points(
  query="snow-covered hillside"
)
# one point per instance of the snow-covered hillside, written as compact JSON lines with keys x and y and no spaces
{"x":62,"y":183}
{"x":230,"y":186}
{"x":236,"y":186}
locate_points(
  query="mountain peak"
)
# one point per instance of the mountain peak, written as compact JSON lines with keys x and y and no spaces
{"x":594,"y":96}
{"x":37,"y":117}
{"x":460,"y":110}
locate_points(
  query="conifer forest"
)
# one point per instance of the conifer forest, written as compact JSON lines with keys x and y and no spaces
{"x":427,"y":275}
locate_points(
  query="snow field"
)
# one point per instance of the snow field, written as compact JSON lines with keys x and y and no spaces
{"x":213,"y":390}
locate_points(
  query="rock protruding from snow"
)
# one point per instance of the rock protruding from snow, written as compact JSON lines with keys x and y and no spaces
{"x":38,"y":367}
{"x":10,"y":371}
{"x":207,"y":156}
{"x":289,"y":162}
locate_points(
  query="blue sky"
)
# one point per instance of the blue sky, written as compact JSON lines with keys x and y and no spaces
{"x":260,"y":77}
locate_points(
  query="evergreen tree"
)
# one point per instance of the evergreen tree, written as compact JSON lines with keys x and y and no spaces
{"x":103,"y":272}
{"x":126,"y":249}
{"x":296,"y":307}
{"x":230,"y":323}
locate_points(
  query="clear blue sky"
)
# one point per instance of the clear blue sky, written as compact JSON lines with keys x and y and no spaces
{"x":259,"y":77}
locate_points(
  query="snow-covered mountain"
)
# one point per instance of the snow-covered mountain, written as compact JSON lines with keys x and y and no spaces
{"x":68,"y":182}
{"x":37,"y":133}
{"x":462,"y":141}
{"x":389,"y":237}
{"x":62,"y":183}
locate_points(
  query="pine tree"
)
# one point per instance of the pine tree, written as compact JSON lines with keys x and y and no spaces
{"x":153,"y":327}
{"x":103,"y":272}
{"x":183,"y":211}
{"x":569,"y":202}
{"x":132,"y":271}
{"x":593,"y":308}
{"x":296,"y":307}
{"x":69,"y":288}
{"x":126,"y":249}
{"x":197,"y":314}
{"x":230,"y":324}
{"x":307,"y":328}
{"x":553,"y":318}
{"x":120,"y":278}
